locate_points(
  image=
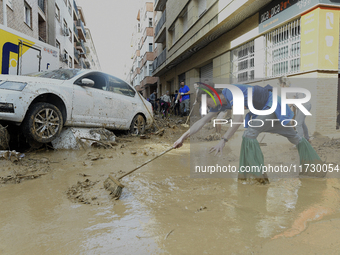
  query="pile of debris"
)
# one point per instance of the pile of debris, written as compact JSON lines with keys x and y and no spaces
{"x":168,"y":122}
{"x":332,"y":143}
{"x":79,"y":193}
{"x":77,"y":138}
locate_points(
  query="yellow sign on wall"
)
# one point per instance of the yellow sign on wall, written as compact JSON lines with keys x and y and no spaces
{"x":320,"y":39}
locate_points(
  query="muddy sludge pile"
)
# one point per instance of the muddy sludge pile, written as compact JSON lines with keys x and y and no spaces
{"x":81,"y":192}
{"x":15,"y":168}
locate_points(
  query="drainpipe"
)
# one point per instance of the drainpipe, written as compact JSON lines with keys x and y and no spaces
{"x":4,"y":12}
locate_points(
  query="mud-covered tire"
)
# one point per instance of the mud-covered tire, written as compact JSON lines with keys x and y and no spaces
{"x":43,"y":122}
{"x":137,"y":126}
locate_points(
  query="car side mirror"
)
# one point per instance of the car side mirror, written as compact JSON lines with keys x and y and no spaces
{"x":86,"y":82}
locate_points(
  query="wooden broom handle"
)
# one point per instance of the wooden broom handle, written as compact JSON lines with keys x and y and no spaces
{"x":145,"y":163}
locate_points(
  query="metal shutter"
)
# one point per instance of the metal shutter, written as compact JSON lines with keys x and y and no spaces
{"x":206,"y":72}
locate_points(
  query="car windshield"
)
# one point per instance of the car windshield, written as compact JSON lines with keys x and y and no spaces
{"x":60,"y":74}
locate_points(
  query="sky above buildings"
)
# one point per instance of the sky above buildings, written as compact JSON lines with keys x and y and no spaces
{"x":111,"y":23}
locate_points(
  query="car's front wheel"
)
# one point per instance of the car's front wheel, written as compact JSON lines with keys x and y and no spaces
{"x":137,"y":126}
{"x":43,"y":122}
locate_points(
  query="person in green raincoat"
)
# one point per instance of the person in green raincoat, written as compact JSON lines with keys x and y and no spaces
{"x":251,"y":154}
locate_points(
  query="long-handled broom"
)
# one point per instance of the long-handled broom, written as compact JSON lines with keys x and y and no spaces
{"x":114,"y":185}
{"x":186,"y":123}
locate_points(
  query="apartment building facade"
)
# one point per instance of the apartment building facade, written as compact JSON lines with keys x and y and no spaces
{"x":60,"y":23}
{"x":64,"y":35}
{"x":34,"y":18}
{"x":143,"y":43}
{"x":252,"y":42}
{"x":92,"y":60}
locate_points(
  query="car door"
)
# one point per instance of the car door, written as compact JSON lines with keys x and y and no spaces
{"x":124,"y":103}
{"x":92,"y":104}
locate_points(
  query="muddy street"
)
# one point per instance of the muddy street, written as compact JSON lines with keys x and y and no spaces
{"x":54,"y":202}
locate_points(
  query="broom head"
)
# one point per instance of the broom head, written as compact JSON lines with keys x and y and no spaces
{"x":114,"y":186}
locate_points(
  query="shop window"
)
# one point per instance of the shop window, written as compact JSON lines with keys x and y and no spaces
{"x":283,"y":46}
{"x":242,"y":63}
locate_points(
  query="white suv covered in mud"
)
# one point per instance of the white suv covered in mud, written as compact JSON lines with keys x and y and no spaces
{"x":42,"y":103}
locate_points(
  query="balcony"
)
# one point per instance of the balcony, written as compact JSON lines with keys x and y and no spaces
{"x":160,"y":23}
{"x":75,"y":33}
{"x":137,"y":71}
{"x":81,"y":29}
{"x":159,"y":60}
{"x":76,"y":55}
{"x":148,"y":80}
{"x":147,"y":32}
{"x":160,"y":29}
{"x":160,"y":5}
{"x":88,"y":64}
{"x":148,"y":56}
{"x":76,"y":12}
{"x":81,"y":47}
{"x":41,"y":4}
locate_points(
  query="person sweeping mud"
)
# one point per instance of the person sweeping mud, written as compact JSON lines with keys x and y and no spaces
{"x":251,"y":154}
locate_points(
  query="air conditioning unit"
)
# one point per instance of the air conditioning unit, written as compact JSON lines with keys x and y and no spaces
{"x":66,"y":32}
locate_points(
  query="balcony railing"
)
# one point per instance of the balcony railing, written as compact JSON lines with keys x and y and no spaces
{"x":81,"y":44}
{"x":160,"y":23}
{"x":81,"y":24}
{"x":76,"y":54}
{"x":75,"y":8}
{"x":159,"y":60}
{"x":82,"y":64}
{"x":41,"y":4}
{"x":162,"y":57}
{"x":159,"y":5}
{"x":75,"y":30}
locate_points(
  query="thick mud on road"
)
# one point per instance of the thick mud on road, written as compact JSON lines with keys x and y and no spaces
{"x":66,"y":210}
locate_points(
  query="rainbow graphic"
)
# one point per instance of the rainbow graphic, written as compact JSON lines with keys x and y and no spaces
{"x":213,"y":90}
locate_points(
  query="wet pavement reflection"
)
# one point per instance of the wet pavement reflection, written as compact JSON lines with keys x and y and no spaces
{"x":163,"y":211}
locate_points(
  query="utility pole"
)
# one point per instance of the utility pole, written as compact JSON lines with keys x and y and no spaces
{"x":4,"y":12}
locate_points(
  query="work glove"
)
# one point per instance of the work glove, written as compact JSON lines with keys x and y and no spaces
{"x":182,"y":93}
{"x":176,"y":101}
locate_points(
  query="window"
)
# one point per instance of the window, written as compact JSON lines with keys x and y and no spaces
{"x":150,"y":22}
{"x":28,"y":15}
{"x":65,"y":25}
{"x":57,"y":12}
{"x":150,"y":70}
{"x":65,"y":57}
{"x":242,"y":62}
{"x":70,"y":62}
{"x":69,"y":8}
{"x":65,"y":29}
{"x":70,"y":32}
{"x":283,"y":50}
{"x":120,"y":87}
{"x":138,"y":28}
{"x":57,"y":44}
{"x":150,"y":47}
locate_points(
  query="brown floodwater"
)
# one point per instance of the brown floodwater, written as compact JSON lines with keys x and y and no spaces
{"x":164,"y":211}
